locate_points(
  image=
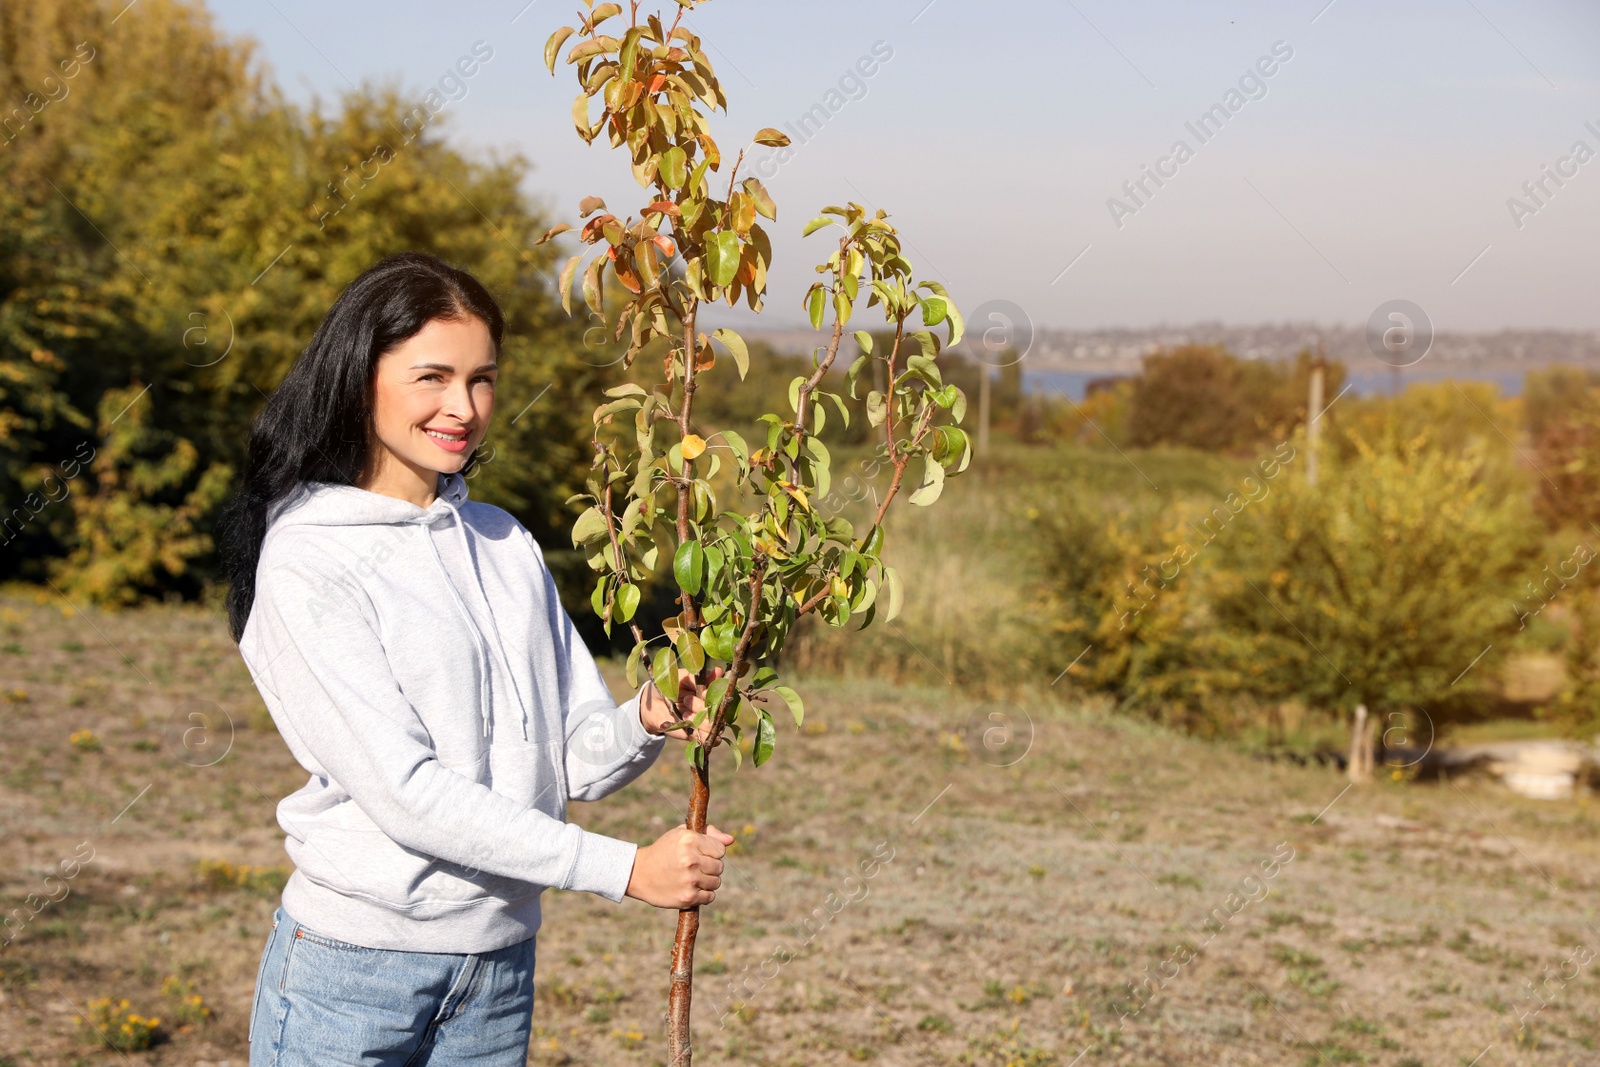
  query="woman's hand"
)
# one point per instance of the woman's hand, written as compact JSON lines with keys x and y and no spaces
{"x":682,"y":869}
{"x":655,"y":710}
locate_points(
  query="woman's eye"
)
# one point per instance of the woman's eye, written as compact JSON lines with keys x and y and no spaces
{"x":486,"y":380}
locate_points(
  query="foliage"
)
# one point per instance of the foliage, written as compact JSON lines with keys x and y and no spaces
{"x":111,"y":1021}
{"x":179,"y":224}
{"x":1205,"y":397}
{"x":1562,"y":411}
{"x":745,"y":573}
{"x":1382,"y":584}
{"x":222,"y":875}
{"x":744,"y":577}
{"x":138,"y":523}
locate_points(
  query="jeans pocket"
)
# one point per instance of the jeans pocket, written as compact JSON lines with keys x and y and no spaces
{"x":305,"y":933}
{"x":261,"y":978}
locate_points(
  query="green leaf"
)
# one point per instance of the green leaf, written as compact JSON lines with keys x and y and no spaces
{"x":722,"y":257}
{"x":690,"y":651}
{"x":864,"y":339}
{"x":891,"y":579}
{"x":736,"y":348}
{"x":877,"y":408}
{"x":552,"y":47}
{"x":737,"y":443}
{"x":665,"y":672}
{"x":874,"y":542}
{"x":606,"y":410}
{"x":934,"y":310}
{"x":634,"y":658}
{"x":816,"y":224}
{"x":591,"y":525}
{"x":627,"y":602}
{"x":760,"y":198}
{"x":689,"y":566}
{"x":674,"y":167}
{"x":926,"y":368}
{"x":932,"y":482}
{"x":841,"y":307}
{"x":564,"y":283}
{"x":855,"y":372}
{"x":958,"y":326}
{"x":791,"y":698}
{"x":714,"y":693}
{"x":626,"y":389}
{"x":727,"y":632}
{"x":815,"y":306}
{"x":766,"y":737}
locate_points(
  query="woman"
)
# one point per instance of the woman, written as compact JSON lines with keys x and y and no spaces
{"x":413,"y":653}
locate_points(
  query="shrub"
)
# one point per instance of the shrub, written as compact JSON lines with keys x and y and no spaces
{"x":111,"y":1022}
{"x":1382,"y":584}
{"x":222,"y":875}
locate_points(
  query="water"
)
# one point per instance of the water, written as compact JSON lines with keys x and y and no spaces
{"x":1363,"y":382}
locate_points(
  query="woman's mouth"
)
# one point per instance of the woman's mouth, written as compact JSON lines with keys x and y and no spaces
{"x":449,"y":440}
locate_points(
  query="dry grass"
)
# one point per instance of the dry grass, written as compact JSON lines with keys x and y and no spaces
{"x":1020,"y":903}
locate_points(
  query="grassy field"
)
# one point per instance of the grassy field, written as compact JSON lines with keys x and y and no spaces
{"x":1038,"y":879}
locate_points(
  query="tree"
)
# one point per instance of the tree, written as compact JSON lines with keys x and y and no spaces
{"x":172,"y":233}
{"x":1205,"y":397}
{"x":744,"y":575}
{"x":1385,"y":584}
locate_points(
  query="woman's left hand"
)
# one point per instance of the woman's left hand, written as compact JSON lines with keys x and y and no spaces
{"x":655,"y":710}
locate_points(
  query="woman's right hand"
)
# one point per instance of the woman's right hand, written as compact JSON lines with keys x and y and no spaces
{"x":681,"y":870}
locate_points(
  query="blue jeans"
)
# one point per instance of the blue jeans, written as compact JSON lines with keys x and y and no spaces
{"x":325,"y":1003}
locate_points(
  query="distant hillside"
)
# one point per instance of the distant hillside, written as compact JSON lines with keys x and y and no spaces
{"x":1120,"y":349}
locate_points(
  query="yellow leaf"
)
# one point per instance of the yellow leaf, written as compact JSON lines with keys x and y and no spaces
{"x":693,"y":445}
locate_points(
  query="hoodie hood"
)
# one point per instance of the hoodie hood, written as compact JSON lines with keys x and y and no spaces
{"x":329,"y":504}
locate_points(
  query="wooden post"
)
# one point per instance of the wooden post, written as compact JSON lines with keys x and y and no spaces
{"x":1313,"y":411}
{"x":1361,"y":747}
{"x":983,"y":408}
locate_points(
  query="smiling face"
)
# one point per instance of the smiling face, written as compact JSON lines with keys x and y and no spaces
{"x":432,"y":397}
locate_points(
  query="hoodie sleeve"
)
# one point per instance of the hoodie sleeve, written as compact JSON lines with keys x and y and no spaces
{"x":322,"y":658}
{"x":607,"y":745}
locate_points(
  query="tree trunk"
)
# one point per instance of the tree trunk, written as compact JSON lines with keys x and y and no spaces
{"x":679,"y":1044}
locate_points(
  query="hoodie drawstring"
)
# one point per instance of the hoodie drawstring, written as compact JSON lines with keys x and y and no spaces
{"x":499,"y":646}
{"x":477,"y":645}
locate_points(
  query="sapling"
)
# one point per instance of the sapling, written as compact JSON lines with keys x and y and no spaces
{"x":747,"y":574}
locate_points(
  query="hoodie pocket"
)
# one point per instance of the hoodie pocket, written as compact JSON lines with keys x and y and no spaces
{"x":531,"y":773}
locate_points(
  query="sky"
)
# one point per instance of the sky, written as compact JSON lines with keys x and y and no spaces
{"x":1383,"y":157}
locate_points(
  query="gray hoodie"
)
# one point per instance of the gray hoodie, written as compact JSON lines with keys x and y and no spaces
{"x":420,"y":666}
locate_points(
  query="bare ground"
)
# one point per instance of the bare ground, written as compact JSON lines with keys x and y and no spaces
{"x":1036,"y":881}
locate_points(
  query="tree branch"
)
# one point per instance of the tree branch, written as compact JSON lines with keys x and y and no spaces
{"x":740,"y":650}
{"x":900,"y":465}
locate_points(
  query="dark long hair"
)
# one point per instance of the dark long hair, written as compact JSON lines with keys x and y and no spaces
{"x":316,"y":426}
